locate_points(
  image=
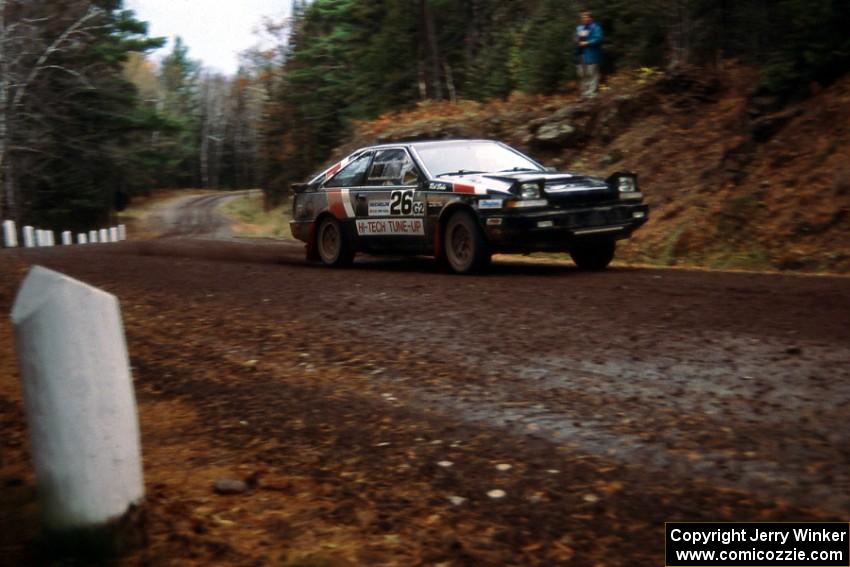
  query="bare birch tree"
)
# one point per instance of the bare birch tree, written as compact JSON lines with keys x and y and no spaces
{"x":23,"y":58}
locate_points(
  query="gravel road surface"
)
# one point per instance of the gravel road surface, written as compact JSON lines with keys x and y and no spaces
{"x":390,"y":414}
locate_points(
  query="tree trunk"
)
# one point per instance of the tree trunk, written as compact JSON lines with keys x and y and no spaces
{"x":450,"y":83}
{"x":7,"y":197}
{"x":433,"y":51}
{"x":422,"y":81}
{"x":15,"y":79}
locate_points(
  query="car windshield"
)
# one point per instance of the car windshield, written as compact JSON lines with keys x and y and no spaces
{"x":472,"y":157}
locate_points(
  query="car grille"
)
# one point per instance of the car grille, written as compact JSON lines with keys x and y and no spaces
{"x":590,"y":218}
{"x":579,"y":198}
{"x":615,"y":215}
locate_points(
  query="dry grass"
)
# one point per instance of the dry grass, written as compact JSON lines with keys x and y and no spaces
{"x":252,"y":219}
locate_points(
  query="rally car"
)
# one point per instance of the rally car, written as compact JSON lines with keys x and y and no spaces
{"x":461,"y":201}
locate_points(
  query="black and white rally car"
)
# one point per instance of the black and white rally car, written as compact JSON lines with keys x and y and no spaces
{"x":461,"y":201}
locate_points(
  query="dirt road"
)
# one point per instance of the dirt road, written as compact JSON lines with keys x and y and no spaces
{"x":195,"y":216}
{"x":393,"y":415}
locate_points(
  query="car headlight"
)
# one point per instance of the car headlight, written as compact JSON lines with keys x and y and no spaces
{"x":529,"y":191}
{"x":626,"y":184}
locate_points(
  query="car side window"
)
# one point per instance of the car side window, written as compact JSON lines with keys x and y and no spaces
{"x":392,"y":167}
{"x":352,"y":174}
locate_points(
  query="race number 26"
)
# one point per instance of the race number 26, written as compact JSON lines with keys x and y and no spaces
{"x":401,"y":203}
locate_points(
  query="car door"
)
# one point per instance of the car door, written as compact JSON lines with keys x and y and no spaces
{"x":390,"y":206}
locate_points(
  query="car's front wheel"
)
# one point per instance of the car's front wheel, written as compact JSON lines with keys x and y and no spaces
{"x":331,"y":245}
{"x":464,"y":248}
{"x":593,"y":255}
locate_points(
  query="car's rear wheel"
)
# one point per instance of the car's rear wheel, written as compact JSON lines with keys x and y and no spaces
{"x":465,"y":250}
{"x":594,"y":255}
{"x":331,"y":245}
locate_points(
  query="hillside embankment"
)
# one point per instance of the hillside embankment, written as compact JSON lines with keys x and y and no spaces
{"x":735,"y":179}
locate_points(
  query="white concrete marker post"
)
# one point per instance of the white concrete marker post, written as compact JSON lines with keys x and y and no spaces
{"x":79,"y":401}
{"x":10,"y":234}
{"x":103,"y":235}
{"x":122,"y":232}
{"x":93,"y":236}
{"x":51,"y":238}
{"x":113,"y":234}
{"x":29,"y":237}
{"x":40,"y":237}
{"x":67,"y":240}
{"x":82,"y":238}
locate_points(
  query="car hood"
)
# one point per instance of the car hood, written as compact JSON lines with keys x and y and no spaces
{"x":554,"y":183}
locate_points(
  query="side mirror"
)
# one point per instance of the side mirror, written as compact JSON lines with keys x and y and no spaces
{"x":299,"y":187}
{"x":550,"y":169}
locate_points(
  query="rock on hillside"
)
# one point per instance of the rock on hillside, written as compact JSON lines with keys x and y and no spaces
{"x":735,"y":179}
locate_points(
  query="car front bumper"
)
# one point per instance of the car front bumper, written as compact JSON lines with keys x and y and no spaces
{"x":559,"y":229}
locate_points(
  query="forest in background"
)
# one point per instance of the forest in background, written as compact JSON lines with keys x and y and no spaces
{"x":87,"y":119}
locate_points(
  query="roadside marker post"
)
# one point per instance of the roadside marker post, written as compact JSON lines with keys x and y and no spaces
{"x":122,"y":232}
{"x":10,"y":234}
{"x":93,"y":236}
{"x":113,"y":234}
{"x":80,"y":404}
{"x":29,"y":237}
{"x":103,"y":235}
{"x":82,"y":238}
{"x":67,"y":239}
{"x":43,"y":237}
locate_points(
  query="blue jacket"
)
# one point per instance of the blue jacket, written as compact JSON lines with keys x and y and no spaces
{"x":592,"y":54}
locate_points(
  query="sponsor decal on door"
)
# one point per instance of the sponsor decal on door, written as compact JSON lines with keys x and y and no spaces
{"x":379,"y":208}
{"x":391,"y":227}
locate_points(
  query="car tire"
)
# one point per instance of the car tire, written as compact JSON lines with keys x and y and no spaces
{"x":332,"y":248}
{"x":593,"y":256}
{"x":465,"y":250}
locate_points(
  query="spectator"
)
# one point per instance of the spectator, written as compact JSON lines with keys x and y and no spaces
{"x":589,"y":52}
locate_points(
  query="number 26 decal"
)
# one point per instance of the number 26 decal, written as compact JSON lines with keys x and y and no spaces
{"x":401,"y":204}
